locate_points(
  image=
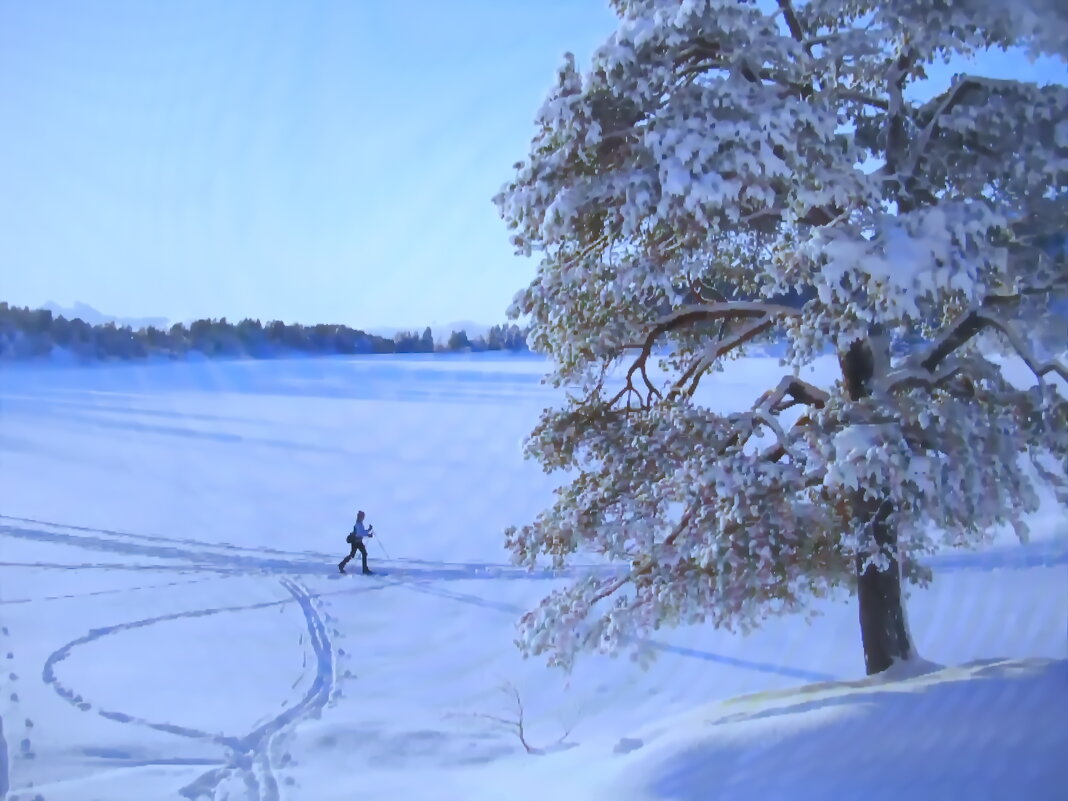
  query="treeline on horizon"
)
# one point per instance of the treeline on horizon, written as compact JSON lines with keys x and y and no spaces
{"x":27,"y":333}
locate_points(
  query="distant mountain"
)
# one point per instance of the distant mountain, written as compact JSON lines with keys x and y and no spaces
{"x":88,"y":314}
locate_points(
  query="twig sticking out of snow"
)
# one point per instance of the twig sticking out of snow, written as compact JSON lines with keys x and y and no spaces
{"x":516,"y":722}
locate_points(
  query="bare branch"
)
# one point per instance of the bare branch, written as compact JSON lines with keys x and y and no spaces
{"x":792,"y":22}
{"x":800,"y":391}
{"x":773,"y":402}
{"x":1040,"y":369}
{"x":704,"y":61}
{"x":946,"y":104}
{"x":715,"y":351}
{"x":860,"y":97}
{"x":639,"y":366}
{"x":772,"y":422}
{"x":766,"y":313}
{"x":956,"y":336}
{"x":771,"y":213}
{"x":908,"y":377}
{"x":739,"y":310}
{"x":895,"y":119}
{"x":817,"y":216}
{"x":778,"y":451}
{"x":518,"y":722}
{"x":688,"y":515}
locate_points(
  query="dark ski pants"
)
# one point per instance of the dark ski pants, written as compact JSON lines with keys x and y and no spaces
{"x":357,"y":545}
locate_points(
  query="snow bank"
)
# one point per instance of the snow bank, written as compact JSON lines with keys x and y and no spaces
{"x":989,"y":729}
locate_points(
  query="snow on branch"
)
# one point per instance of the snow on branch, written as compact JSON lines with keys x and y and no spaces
{"x":731,"y":310}
{"x":1056,"y":286}
{"x":639,"y":366}
{"x":1023,"y":350}
{"x":716,"y":350}
{"x":933,"y":379}
{"x":774,"y":402}
{"x":765,"y":315}
{"x":944,"y":105}
{"x":924,"y":368}
{"x":787,"y":8}
{"x":777,"y":146}
{"x":772,"y":422}
{"x":799,"y":391}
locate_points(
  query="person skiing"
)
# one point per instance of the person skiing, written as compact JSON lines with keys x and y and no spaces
{"x":355,"y":539}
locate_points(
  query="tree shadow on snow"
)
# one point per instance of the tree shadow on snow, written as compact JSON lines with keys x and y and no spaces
{"x":989,"y":730}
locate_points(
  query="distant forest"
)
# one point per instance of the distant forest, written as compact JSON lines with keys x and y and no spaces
{"x":38,"y":334}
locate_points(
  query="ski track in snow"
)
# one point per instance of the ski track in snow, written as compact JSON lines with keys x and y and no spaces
{"x":3,"y":762}
{"x":5,"y":781}
{"x":92,"y":593}
{"x":196,"y":556}
{"x":250,"y":755}
{"x":248,"y":758}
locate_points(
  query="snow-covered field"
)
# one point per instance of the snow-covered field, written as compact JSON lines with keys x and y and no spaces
{"x":173,"y":623}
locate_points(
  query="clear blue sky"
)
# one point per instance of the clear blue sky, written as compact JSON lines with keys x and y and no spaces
{"x":312,"y":161}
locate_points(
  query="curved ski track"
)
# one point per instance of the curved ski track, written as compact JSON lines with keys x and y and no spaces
{"x":248,"y":757}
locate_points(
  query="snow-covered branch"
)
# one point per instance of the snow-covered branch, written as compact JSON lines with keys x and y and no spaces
{"x":688,"y":382}
{"x":717,"y":145}
{"x":1023,"y":350}
{"x":860,"y":97}
{"x":639,"y":366}
{"x":707,"y":312}
{"x":771,"y":422}
{"x":798,"y":390}
{"x":958,"y":334}
{"x":907,"y":378}
{"x":934,"y":367}
{"x":764,"y":314}
{"x":943,"y":105}
{"x":995,"y":300}
{"x":787,"y":8}
{"x":772,"y":403}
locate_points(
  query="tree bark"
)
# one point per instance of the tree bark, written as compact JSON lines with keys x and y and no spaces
{"x":882,"y":617}
{"x":883,"y":631}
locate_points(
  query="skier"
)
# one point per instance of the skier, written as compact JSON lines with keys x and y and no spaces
{"x":355,"y":539}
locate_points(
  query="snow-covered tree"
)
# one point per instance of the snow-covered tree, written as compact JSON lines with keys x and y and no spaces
{"x":717,"y":155}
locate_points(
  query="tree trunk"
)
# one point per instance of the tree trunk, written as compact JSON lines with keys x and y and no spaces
{"x":882,"y":617}
{"x":883,"y":631}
